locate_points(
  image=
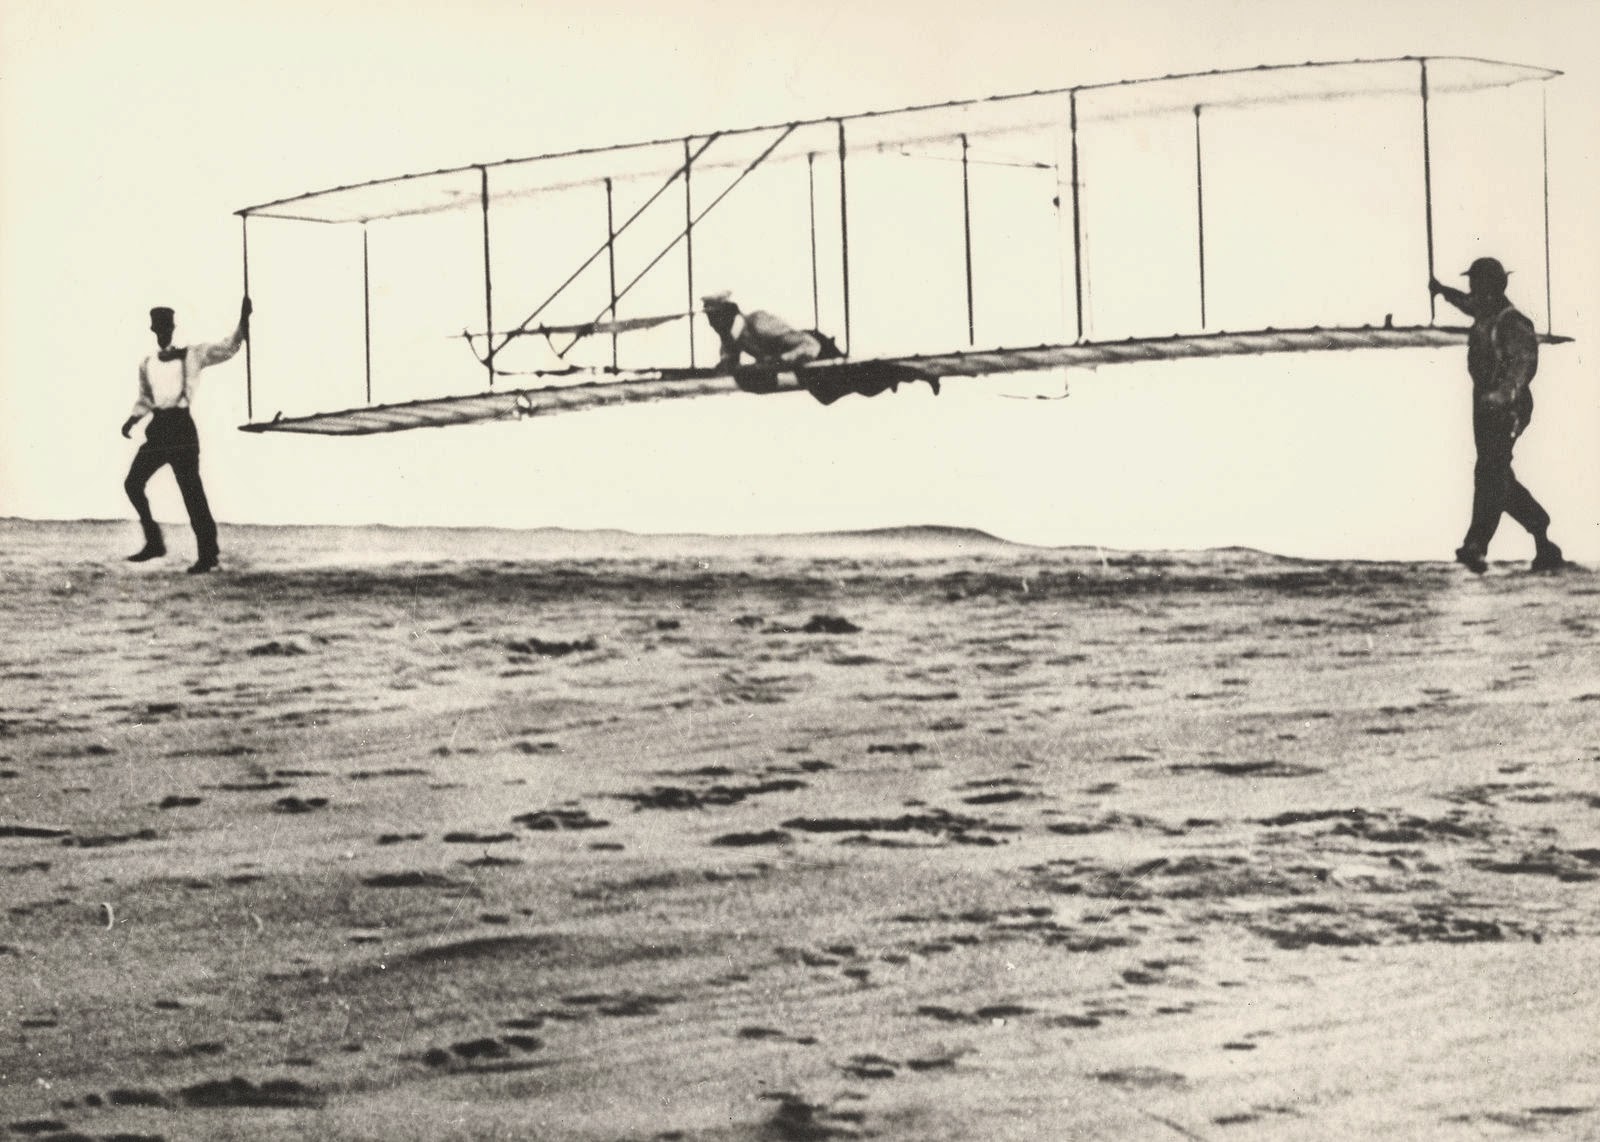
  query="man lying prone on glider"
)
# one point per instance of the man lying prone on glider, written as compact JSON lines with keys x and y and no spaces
{"x":774,"y":346}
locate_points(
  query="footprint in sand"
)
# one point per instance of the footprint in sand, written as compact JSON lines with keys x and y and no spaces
{"x":621,"y":1005}
{"x":746,"y":840}
{"x":488,"y":1049}
{"x":241,"y":1092}
{"x":679,"y":797}
{"x":997,"y":791}
{"x":934,"y":822}
{"x":539,"y":747}
{"x":398,"y":838}
{"x":549,"y":648}
{"x":995,"y":1014}
{"x":798,"y":1120}
{"x":933,"y":1063}
{"x":1535,"y":1120}
{"x":137,"y":1098}
{"x":907,"y":749}
{"x":820,"y":624}
{"x":276,"y":649}
{"x":489,"y":860}
{"x":869,"y":1067}
{"x":1142,"y":1078}
{"x":373,"y":774}
{"x":414,"y":879}
{"x":106,"y":840}
{"x":553,"y":820}
{"x":1081,"y":1022}
{"x":261,"y":786}
{"x":1271,"y":768}
{"x":773,"y":1035}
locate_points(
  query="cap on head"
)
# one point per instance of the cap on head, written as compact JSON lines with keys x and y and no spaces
{"x":1489,"y":272}
{"x":161,"y":313}
{"x":722,"y":300}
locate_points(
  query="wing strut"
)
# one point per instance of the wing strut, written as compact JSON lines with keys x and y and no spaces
{"x":1427,"y":189}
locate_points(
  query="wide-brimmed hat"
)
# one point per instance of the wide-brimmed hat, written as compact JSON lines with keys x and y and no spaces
{"x":1488,"y":271}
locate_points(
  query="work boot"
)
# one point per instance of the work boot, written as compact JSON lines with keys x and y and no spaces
{"x":1548,"y":557}
{"x":1472,"y":559}
{"x":153,"y":547}
{"x":204,"y":564}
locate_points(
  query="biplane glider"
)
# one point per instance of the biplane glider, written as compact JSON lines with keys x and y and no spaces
{"x":1279,"y":209}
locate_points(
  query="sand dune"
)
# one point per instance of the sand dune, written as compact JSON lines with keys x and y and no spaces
{"x":921,"y":835}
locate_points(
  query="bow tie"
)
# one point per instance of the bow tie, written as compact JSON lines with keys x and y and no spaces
{"x":172,"y":353}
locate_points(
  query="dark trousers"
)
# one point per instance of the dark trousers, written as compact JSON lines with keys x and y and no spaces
{"x":1495,"y":488}
{"x":864,"y":380}
{"x":171,"y":439}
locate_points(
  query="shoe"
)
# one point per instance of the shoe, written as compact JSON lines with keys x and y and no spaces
{"x":1472,"y":559}
{"x":154,"y":547}
{"x":204,"y":564}
{"x":1547,"y":558}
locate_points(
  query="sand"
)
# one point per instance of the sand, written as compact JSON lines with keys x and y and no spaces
{"x":388,"y":835}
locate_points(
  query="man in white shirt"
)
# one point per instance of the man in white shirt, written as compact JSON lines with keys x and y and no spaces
{"x":765,"y":337}
{"x":166,"y":386}
{"x":775,"y":346}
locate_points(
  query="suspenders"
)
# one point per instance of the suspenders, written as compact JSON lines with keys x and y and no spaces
{"x":1494,"y":338}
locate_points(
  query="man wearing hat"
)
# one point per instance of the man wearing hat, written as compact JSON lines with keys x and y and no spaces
{"x":773,"y":343}
{"x":768,"y":339}
{"x":1502,"y":357}
{"x":166,"y":386}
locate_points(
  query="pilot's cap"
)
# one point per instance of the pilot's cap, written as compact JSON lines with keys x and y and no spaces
{"x":720,"y":300}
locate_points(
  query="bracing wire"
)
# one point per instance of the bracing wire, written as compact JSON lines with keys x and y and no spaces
{"x":609,"y":243}
{"x":693,"y":222}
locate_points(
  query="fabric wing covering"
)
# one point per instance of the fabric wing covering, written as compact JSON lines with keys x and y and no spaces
{"x":575,"y":392}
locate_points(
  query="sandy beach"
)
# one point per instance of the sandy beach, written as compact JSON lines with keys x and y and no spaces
{"x":910,"y":835}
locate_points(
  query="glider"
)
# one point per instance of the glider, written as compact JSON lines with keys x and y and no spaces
{"x":676,"y":225}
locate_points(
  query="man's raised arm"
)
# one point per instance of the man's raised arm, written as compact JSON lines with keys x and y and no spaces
{"x":1455,"y":297}
{"x":216,"y":352}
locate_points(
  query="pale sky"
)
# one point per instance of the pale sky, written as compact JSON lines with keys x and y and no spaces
{"x":130,"y":133}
